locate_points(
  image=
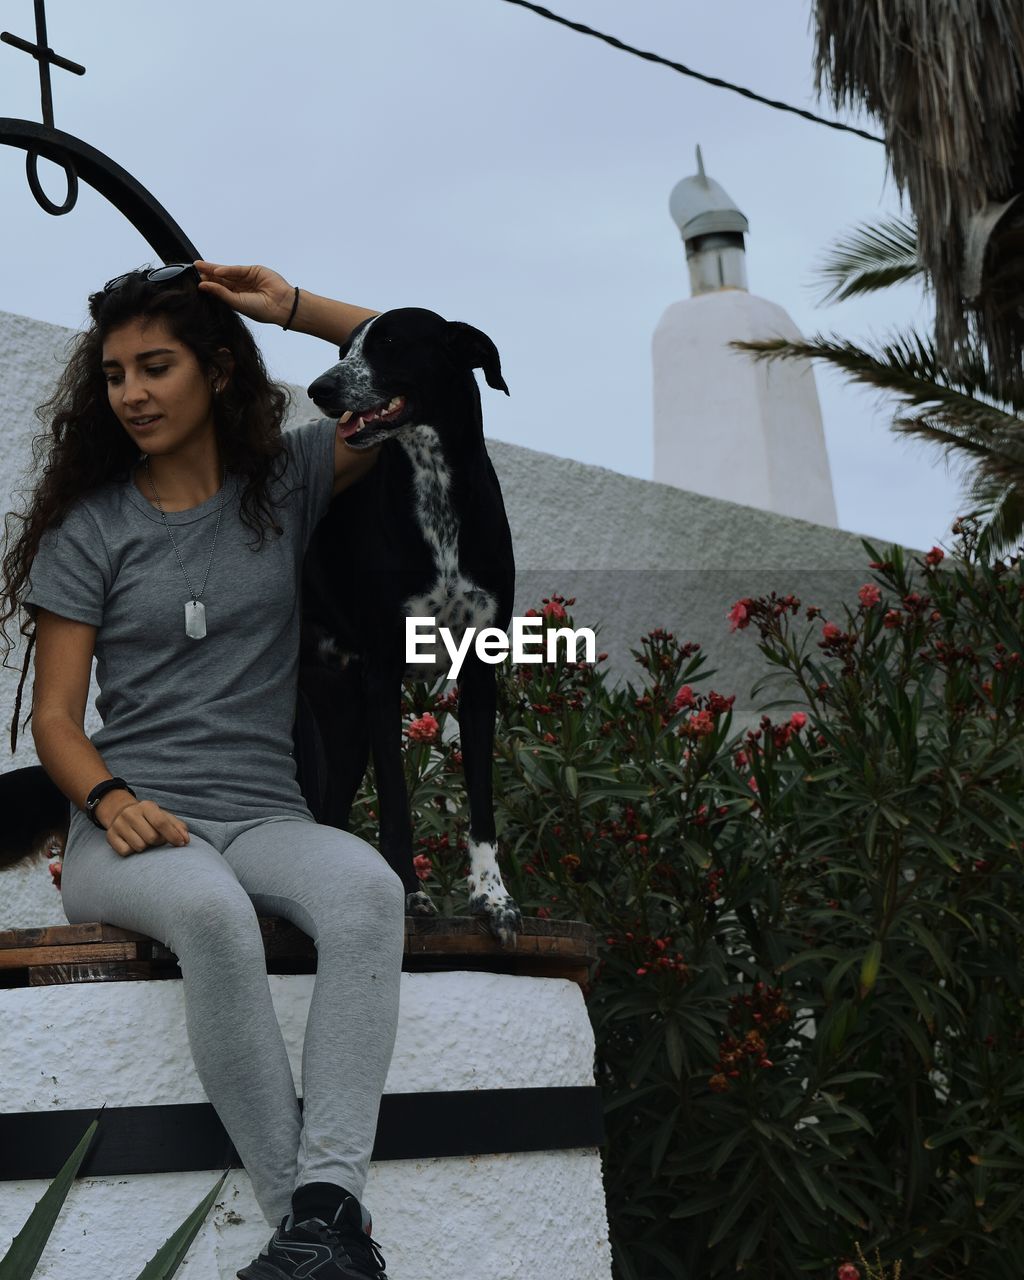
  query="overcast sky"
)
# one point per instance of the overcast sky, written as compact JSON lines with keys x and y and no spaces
{"x":471,"y":157}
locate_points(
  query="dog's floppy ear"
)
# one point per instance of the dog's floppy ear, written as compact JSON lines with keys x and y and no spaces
{"x":472,"y":349}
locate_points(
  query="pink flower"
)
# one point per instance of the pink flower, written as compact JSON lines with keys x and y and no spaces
{"x":699,"y":725}
{"x":425,"y":729}
{"x":553,"y":611}
{"x":423,"y":866}
{"x":935,"y":556}
{"x":830,"y":631}
{"x":798,"y":719}
{"x":684,"y":698}
{"x":869,"y":595}
{"x":738,"y":615}
{"x":56,"y":866}
{"x":752,"y":783}
{"x":847,"y":1272}
{"x":543,"y":913}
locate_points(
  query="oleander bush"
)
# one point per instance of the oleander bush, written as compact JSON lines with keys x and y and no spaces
{"x":809,"y":1004}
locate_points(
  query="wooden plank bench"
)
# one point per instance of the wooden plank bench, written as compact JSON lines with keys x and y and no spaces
{"x":60,"y":954}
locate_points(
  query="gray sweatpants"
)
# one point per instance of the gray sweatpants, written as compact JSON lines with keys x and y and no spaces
{"x":201,"y":901}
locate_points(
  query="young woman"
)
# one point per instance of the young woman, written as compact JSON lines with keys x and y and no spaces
{"x":165,"y":538}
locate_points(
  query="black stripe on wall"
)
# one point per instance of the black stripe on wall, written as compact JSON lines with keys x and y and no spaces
{"x":186,"y":1136}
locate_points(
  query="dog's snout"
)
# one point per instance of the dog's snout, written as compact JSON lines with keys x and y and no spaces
{"x":321,"y":388}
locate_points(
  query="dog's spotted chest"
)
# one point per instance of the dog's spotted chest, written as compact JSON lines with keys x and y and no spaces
{"x":452,"y":600}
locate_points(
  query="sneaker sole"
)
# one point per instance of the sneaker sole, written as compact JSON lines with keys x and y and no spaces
{"x":261,"y":1270}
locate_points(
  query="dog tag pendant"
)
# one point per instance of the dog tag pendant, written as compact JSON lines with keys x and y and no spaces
{"x":195,"y":619}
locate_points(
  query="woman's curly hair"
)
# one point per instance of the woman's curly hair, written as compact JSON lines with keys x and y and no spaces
{"x":83,"y":445}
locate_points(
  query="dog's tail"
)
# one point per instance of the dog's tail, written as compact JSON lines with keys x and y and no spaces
{"x":32,"y":810}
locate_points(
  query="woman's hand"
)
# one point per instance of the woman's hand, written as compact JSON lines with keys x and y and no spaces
{"x":261,"y":294}
{"x":257,"y":292}
{"x":138,"y":824}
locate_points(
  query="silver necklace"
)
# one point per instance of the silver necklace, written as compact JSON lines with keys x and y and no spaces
{"x":195,"y":611}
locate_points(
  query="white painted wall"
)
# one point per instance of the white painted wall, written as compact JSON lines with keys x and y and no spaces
{"x":500,"y":1216}
{"x":733,"y":428}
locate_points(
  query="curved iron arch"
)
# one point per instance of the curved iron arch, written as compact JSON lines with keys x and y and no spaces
{"x":116,"y":185}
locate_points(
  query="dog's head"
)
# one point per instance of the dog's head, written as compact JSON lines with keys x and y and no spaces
{"x":403,"y":366}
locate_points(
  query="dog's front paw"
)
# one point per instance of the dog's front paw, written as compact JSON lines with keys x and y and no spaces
{"x":488,"y":896}
{"x":419,"y":903}
{"x":500,"y":913}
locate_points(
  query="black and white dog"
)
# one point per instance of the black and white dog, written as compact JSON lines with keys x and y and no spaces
{"x":423,"y":534}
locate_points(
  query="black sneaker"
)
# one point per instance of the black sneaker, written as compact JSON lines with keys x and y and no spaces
{"x":341,"y":1250}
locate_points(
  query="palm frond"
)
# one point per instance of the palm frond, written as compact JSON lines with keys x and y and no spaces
{"x":1001,"y":510}
{"x":953,"y":408}
{"x":872,"y":256}
{"x":945,"y":80}
{"x":908,"y":365}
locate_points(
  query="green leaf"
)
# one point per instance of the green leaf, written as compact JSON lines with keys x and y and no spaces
{"x":750,"y":1239}
{"x":735,"y":1211}
{"x":21,"y":1259}
{"x":661,"y":1140}
{"x":674,"y":1048}
{"x":869,"y":257}
{"x":807,"y":1178}
{"x":169,"y":1257}
{"x":869,"y":968}
{"x":1008,"y":1211}
{"x":936,"y":1140}
{"x":1014,"y":812}
{"x":572,"y":784}
{"x":996,"y":1162}
{"x":694,"y":1205}
{"x":725,"y":1150}
{"x":928,"y":940}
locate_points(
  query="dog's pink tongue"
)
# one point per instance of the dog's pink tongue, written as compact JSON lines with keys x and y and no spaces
{"x":347,"y":428}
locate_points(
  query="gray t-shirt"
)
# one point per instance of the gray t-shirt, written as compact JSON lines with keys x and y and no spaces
{"x":203,"y":727}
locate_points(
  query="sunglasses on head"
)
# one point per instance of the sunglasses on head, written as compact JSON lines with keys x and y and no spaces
{"x":158,"y":275}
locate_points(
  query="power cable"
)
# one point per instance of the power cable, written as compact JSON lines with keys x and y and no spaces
{"x":697,"y":75}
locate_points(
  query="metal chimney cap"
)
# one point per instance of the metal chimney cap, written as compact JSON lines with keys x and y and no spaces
{"x":699,"y":206}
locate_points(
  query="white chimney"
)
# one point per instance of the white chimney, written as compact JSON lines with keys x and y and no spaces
{"x":725,"y":425}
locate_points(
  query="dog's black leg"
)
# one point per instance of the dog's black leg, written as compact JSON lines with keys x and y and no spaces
{"x":336,"y":700}
{"x":384,"y":707}
{"x":488,"y":896}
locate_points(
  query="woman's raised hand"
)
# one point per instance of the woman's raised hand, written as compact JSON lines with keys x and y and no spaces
{"x":257,"y":292}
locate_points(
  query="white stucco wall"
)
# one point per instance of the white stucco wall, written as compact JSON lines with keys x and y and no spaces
{"x":499,"y":1216}
{"x":731,"y":427}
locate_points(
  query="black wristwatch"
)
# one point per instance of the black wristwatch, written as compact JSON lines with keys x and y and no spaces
{"x":99,"y":791}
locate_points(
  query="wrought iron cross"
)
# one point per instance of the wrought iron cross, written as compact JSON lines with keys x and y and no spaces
{"x":46,"y":58}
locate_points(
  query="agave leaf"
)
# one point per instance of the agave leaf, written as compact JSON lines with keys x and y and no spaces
{"x":21,"y":1260}
{"x":169,"y":1257}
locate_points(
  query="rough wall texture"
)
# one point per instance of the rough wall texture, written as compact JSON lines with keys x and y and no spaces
{"x":499,"y":1216}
